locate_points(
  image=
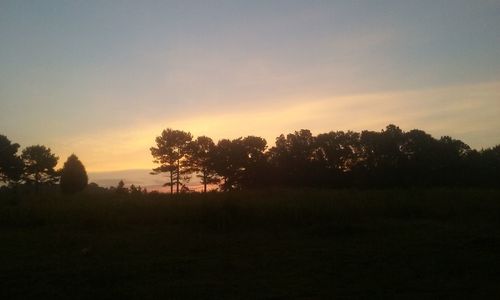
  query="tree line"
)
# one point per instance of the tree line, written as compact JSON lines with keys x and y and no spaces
{"x":36,"y":167}
{"x":337,"y":159}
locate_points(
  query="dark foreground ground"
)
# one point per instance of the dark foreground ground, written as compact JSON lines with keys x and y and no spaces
{"x":281,"y":244}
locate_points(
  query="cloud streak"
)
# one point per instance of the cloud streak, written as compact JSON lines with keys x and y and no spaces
{"x":465,"y":112}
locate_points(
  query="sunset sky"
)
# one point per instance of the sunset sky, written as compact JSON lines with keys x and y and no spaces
{"x":101,"y":79}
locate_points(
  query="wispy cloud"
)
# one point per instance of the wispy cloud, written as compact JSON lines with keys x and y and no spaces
{"x":467,"y":112}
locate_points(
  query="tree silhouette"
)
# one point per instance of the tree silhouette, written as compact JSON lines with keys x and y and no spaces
{"x":11,"y":165}
{"x":239,"y":162}
{"x":120,"y":188}
{"x":378,"y":159}
{"x":39,"y":164}
{"x":171,"y":152}
{"x":381,"y":158}
{"x":136,"y":190}
{"x":201,"y":152}
{"x":336,"y":154}
{"x":225,"y":163}
{"x":452,"y":154}
{"x":254,"y":163}
{"x":489,"y":166}
{"x":293,"y":157}
{"x":73,"y":176}
{"x":422,"y":158}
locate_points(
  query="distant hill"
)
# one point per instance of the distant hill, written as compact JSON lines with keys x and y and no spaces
{"x":136,"y":177}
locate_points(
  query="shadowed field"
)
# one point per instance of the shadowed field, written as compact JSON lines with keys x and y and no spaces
{"x":274,"y":244}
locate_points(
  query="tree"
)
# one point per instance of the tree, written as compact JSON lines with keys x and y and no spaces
{"x":39,"y":164}
{"x":422,"y":160}
{"x":201,"y":153}
{"x":171,"y":152}
{"x":382,"y":156}
{"x":225,"y":163}
{"x":254,"y":163}
{"x":136,"y":190}
{"x":452,"y":154}
{"x":338,"y":150}
{"x":11,"y":165}
{"x":239,"y":162}
{"x":120,"y":188}
{"x":293,"y":158}
{"x":489,"y":166}
{"x":337,"y":155}
{"x":73,"y":176}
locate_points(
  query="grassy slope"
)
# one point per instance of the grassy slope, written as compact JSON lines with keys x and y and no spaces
{"x":270,"y":244}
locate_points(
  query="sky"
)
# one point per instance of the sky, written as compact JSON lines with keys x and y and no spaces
{"x":102,"y":79}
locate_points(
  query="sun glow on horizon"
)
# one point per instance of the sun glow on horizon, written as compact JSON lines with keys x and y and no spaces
{"x":103,"y":79}
{"x":128,"y":148}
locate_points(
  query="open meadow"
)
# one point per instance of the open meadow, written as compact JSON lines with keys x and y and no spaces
{"x":267,"y":244}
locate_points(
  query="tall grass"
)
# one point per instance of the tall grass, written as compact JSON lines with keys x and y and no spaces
{"x":283,"y":244}
{"x":285,"y":207}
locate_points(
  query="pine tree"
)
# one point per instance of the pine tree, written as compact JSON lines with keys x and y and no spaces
{"x":39,"y":164}
{"x":11,"y":165}
{"x":171,"y":152}
{"x":73,"y":176}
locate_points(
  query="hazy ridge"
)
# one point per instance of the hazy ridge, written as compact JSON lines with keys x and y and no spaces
{"x":136,"y":177}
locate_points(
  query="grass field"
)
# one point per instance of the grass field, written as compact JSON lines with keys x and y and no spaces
{"x":273,"y":244}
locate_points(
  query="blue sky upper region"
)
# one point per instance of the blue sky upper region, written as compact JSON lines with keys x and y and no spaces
{"x":103,"y":78}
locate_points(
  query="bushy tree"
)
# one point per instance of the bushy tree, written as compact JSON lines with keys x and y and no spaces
{"x":293,"y":158}
{"x":336,"y":156}
{"x":421,"y":151}
{"x":73,"y":176}
{"x":489,"y":166}
{"x":39,"y":164}
{"x":11,"y":165}
{"x":240,"y":162}
{"x":254,"y":164}
{"x":338,"y":150}
{"x":452,"y":156}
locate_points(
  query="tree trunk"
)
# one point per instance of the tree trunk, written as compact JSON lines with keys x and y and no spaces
{"x":37,"y":182}
{"x":171,"y":182}
{"x":178,"y":177}
{"x":204,"y":182}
